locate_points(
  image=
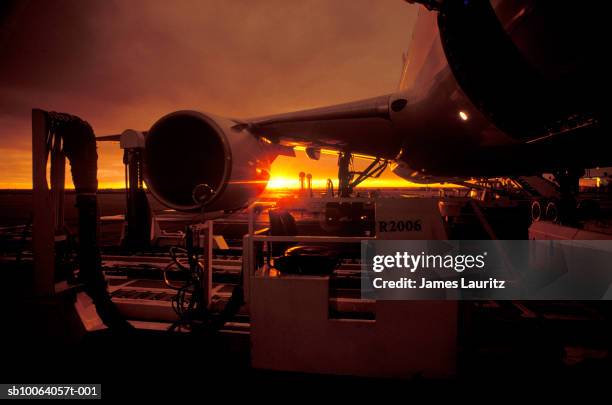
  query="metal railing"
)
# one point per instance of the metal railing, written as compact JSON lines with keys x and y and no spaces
{"x":250,"y":241}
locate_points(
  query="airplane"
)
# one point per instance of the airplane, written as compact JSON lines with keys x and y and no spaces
{"x":488,"y":89}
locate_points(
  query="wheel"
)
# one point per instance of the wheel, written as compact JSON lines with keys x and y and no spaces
{"x":552,"y":212}
{"x":536,"y":211}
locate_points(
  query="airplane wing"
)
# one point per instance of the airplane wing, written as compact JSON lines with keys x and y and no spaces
{"x":350,"y":126}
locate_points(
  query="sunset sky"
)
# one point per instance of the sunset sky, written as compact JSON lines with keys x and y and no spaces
{"x":123,"y":64}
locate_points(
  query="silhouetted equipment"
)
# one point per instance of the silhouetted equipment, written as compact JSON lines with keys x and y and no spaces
{"x":313,"y":153}
{"x":191,"y":300}
{"x":309,"y":184}
{"x":202,"y":193}
{"x":374,"y":170}
{"x":282,"y":223}
{"x":137,"y":225}
{"x":349,"y":218}
{"x":344,"y":174}
{"x":301,"y":176}
{"x":308,"y":260}
{"x":78,"y":144}
{"x":566,"y":210}
{"x":330,"y":188}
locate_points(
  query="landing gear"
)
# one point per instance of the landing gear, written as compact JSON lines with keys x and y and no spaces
{"x":566,"y":208}
{"x":561,"y":206}
{"x":552,"y":212}
{"x":346,"y":176}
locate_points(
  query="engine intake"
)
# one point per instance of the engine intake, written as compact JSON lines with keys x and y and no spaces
{"x":194,"y":161}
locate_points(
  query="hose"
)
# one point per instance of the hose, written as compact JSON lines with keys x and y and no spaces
{"x":79,"y":146}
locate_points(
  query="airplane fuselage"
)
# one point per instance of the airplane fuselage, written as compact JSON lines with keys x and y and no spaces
{"x":488,"y":89}
{"x":515,"y":87}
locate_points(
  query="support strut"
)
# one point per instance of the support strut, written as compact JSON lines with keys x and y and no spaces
{"x":346,"y":177}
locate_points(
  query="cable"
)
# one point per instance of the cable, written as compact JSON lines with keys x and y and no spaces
{"x":188,"y":303}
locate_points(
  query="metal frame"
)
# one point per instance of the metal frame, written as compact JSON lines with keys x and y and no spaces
{"x":203,"y":237}
{"x":47,"y":203}
{"x":249,"y":240}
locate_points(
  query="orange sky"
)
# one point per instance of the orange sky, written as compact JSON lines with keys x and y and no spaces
{"x":284,"y":174}
{"x":123,"y":64}
{"x":284,"y":170}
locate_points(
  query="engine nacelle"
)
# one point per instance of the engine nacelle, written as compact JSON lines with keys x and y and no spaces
{"x":198,"y":162}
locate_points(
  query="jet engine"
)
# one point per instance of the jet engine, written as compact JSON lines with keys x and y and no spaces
{"x":199,"y":162}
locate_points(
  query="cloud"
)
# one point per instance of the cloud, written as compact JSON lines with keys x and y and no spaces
{"x":123,"y":64}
